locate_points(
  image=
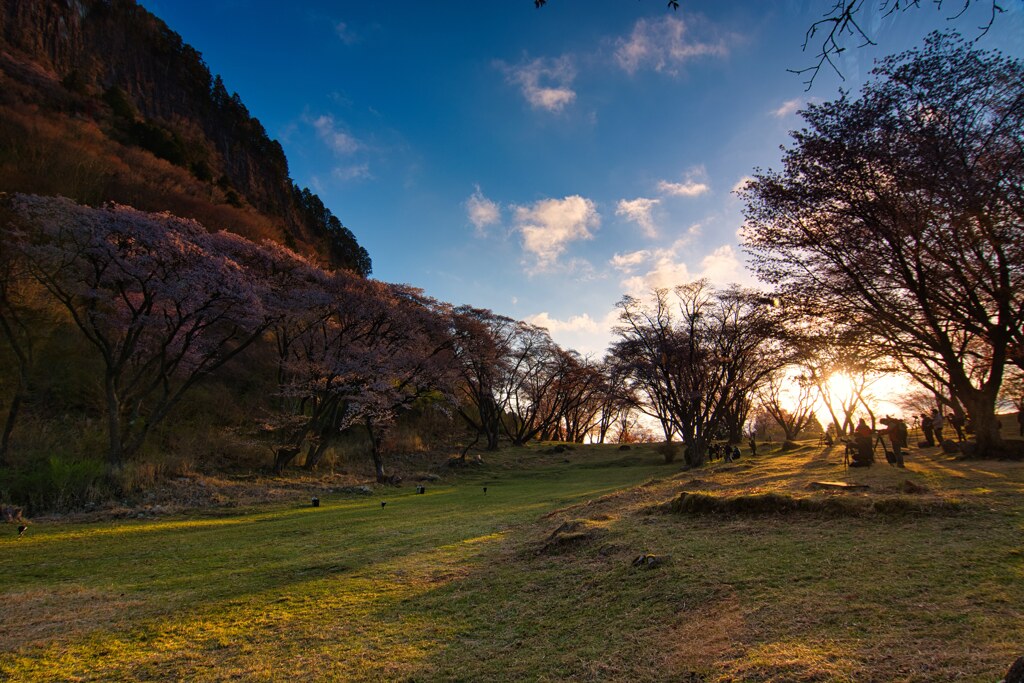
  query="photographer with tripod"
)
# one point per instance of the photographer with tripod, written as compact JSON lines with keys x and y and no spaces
{"x":896,"y":430}
{"x":862,"y":438}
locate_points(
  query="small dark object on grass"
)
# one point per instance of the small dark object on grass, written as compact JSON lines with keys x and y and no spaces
{"x":421,"y":489}
{"x":315,"y":501}
{"x":650,"y":561}
{"x":1016,"y":672}
{"x":624,"y":447}
{"x":21,"y":530}
{"x":485,"y":490}
{"x":382,"y":504}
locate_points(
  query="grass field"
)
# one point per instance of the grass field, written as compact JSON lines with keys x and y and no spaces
{"x":918,"y":578}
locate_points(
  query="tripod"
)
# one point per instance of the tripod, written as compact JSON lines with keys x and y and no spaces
{"x":889,"y":458}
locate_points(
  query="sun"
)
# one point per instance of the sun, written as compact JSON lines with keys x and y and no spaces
{"x":840,"y":386}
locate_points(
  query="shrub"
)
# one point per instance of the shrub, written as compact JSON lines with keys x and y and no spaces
{"x":58,"y":483}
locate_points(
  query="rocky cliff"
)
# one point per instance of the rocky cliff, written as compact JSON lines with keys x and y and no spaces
{"x":147,"y":123}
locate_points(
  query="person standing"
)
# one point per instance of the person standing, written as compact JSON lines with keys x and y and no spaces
{"x":926,"y":428}
{"x":937,"y":424}
{"x":957,"y":422}
{"x":862,"y":438}
{"x":896,"y":430}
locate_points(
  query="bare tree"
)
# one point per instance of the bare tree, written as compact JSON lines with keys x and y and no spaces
{"x":792,"y":411}
{"x":841,"y":24}
{"x":696,"y":355}
{"x":903,"y":212}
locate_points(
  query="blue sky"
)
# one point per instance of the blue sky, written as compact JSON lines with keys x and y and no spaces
{"x":541,"y":163}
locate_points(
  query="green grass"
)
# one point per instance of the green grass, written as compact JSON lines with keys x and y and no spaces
{"x":459,"y":585}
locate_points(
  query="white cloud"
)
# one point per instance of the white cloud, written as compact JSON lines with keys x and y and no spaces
{"x":663,"y":45}
{"x":628,"y":262}
{"x":693,"y":184}
{"x":722,"y":266}
{"x":338,"y":140}
{"x":665,"y":271}
{"x":549,"y":225}
{"x":583,"y":333}
{"x":482,"y":212}
{"x":788,"y":107}
{"x":545,"y":83}
{"x":689,"y":188}
{"x":639,"y":211}
{"x":665,"y":268}
{"x":741,"y":184}
{"x":576,"y":323}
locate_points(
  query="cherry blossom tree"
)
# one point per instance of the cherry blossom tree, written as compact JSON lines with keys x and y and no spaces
{"x":24,"y":320}
{"x":360,"y":353}
{"x":482,"y":343}
{"x":154,"y":295}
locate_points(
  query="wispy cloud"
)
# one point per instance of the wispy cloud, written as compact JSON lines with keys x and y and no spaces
{"x":332,"y":134}
{"x":353,"y":172}
{"x":788,"y":107}
{"x":550,"y":225}
{"x":545,"y":83}
{"x":694,"y":184}
{"x":482,"y":212}
{"x":345,"y":33}
{"x":639,"y":211}
{"x":629,"y":261}
{"x":664,"y":45}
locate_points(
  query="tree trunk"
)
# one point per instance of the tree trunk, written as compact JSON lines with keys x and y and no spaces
{"x":314,"y":456}
{"x":462,"y":456}
{"x":115,"y":454}
{"x":378,"y":460}
{"x":695,"y":455}
{"x":283,"y":456}
{"x":982,"y":411}
{"x":12,"y":415}
{"x":668,"y":450}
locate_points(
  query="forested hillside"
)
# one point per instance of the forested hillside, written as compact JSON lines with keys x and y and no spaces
{"x":100,"y":101}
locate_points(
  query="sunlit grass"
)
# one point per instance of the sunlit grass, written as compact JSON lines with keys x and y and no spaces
{"x":457,"y":584}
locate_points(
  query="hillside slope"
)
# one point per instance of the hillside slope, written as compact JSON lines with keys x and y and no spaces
{"x":101,"y":101}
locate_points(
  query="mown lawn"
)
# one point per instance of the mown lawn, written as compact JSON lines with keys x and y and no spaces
{"x":328,"y":592}
{"x":461,"y":585}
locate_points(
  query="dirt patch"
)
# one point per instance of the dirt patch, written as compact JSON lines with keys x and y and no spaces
{"x":572,"y":533}
{"x":705,"y":636}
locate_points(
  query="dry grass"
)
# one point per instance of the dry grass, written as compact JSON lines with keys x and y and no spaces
{"x":450,"y":586}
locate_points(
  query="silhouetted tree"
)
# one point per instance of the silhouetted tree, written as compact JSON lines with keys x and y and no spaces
{"x":902,"y":211}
